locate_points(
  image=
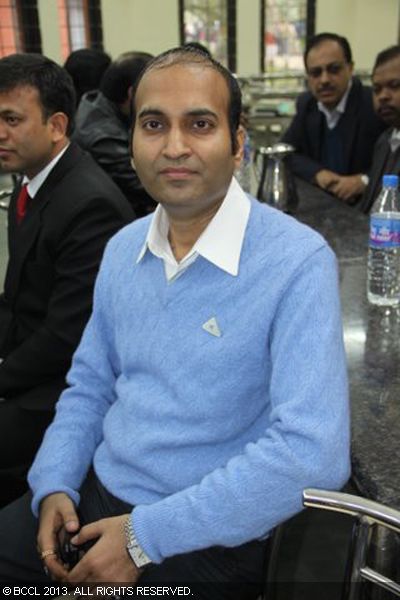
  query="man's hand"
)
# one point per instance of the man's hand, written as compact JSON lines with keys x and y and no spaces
{"x":107,"y":560}
{"x":347,"y":187}
{"x":57,"y":511}
{"x":325,"y":179}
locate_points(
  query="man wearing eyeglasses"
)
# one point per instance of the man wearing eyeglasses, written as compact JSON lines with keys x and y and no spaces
{"x":335,"y":126}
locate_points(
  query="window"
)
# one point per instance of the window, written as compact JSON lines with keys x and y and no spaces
{"x":19,"y":27}
{"x":80,"y":24}
{"x":213,"y":24}
{"x":286,"y":24}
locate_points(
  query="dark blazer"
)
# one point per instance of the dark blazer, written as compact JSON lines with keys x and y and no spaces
{"x":358,"y":127}
{"x":377,"y":170}
{"x":54,"y":255}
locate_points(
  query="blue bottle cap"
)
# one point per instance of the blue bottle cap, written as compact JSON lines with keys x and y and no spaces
{"x":391,"y":181}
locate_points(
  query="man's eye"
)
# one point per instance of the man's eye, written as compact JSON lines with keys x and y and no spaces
{"x":152,"y":125}
{"x":12,"y":120}
{"x":202,"y":124}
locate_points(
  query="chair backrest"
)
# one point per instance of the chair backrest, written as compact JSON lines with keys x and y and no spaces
{"x":368,"y":515}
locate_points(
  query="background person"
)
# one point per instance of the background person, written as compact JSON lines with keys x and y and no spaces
{"x":194,"y":392}
{"x":103,"y":126}
{"x":386,"y":93}
{"x":58,"y":224}
{"x":86,"y":67}
{"x":335,"y":126}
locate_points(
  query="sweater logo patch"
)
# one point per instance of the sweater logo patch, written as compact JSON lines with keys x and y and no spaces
{"x":211,"y":326}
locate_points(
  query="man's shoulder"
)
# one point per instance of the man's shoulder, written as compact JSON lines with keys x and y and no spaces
{"x":279,"y":234}
{"x":360,"y":96}
{"x":77,"y":180}
{"x":132,"y":235}
{"x":382,"y":142}
{"x":97,"y":119}
{"x":306,"y":102}
{"x":78,"y":167}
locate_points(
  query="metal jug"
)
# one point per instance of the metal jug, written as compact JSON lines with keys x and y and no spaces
{"x":276,"y":183}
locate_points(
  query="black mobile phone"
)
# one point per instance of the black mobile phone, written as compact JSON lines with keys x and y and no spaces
{"x":70,"y":554}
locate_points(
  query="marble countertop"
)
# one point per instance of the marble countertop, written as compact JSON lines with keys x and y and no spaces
{"x":372,"y":340}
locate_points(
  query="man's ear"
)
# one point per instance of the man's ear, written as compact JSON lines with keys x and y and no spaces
{"x":240,"y":138}
{"x":59,"y":124}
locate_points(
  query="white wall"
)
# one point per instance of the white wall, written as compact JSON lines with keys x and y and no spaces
{"x":369,"y":25}
{"x":145,"y":25}
{"x":48,"y":21}
{"x":248,"y":45}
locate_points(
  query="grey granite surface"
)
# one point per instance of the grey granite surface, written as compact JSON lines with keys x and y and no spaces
{"x":372,"y":340}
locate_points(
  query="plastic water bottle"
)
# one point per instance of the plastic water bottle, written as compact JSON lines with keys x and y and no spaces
{"x":243,"y":174}
{"x":384,"y":246}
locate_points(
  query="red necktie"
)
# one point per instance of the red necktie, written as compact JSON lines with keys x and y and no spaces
{"x":22,"y":203}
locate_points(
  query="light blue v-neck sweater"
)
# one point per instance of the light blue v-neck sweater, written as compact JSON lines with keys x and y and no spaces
{"x":212,"y":438}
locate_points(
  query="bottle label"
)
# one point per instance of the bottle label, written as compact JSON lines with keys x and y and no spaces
{"x":384,"y":233}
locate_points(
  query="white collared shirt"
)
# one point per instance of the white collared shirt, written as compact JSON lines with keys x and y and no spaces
{"x":394,"y":140}
{"x":220,"y":242}
{"x":36,"y":182}
{"x":333,"y":116}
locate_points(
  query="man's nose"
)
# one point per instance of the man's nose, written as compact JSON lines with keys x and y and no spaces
{"x":176,"y":144}
{"x":325,"y":77}
{"x":383,"y":95}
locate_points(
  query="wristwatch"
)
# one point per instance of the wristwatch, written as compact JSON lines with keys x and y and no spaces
{"x":137,"y":554}
{"x":364,"y":179}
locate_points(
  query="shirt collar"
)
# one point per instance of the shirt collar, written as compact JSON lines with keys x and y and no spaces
{"x":220,"y":243}
{"x":394,"y":140}
{"x":333,"y":116}
{"x":36,"y":182}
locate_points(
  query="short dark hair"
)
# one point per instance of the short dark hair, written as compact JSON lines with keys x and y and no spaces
{"x":86,"y":67}
{"x":329,"y":37}
{"x":192,"y":55}
{"x":199,"y":46}
{"x":54,"y":85}
{"x":122,"y":75}
{"x":386,"y":55}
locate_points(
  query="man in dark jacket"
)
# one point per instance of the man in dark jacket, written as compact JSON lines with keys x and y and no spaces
{"x":335,"y":127}
{"x":103,"y":124}
{"x":386,"y":92}
{"x":58,"y":224}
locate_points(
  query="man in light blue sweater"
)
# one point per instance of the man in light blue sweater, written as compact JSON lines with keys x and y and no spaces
{"x":209,"y":388}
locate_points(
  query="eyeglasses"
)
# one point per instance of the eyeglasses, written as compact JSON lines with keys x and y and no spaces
{"x":333,"y":69}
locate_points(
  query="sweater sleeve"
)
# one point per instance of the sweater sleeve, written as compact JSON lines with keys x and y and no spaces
{"x":307,"y":444}
{"x":69,"y":444}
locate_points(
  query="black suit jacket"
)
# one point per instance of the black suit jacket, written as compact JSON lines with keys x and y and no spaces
{"x":380,"y":157}
{"x":358,"y":127}
{"x":54,"y":255}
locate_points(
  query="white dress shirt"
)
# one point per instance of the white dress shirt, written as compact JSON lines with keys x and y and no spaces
{"x":394,"y":140}
{"x":220,"y":242}
{"x":333,"y":116}
{"x":38,"y":180}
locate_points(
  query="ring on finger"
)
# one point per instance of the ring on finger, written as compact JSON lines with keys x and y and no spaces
{"x":47,"y":553}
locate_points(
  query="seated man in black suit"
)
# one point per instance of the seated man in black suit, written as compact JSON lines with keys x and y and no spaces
{"x":58,"y":226}
{"x":335,"y":126}
{"x":386,"y":93}
{"x":103,"y":126}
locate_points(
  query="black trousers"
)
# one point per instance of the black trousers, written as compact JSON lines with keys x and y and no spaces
{"x":21,"y":433}
{"x":214,"y":573}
